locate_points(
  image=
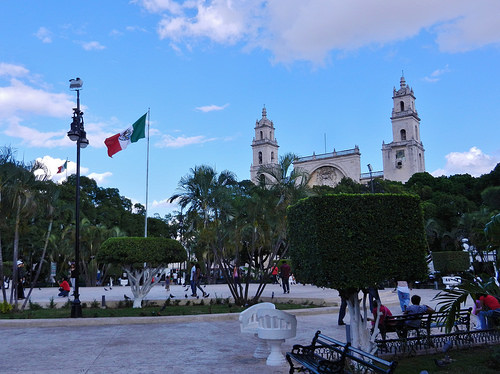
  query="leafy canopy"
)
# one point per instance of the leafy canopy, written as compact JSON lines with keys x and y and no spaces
{"x":350,"y":242}
{"x":134,"y":252}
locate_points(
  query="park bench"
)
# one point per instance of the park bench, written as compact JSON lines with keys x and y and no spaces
{"x":428,"y":321}
{"x":363,"y":362}
{"x":324,"y":355}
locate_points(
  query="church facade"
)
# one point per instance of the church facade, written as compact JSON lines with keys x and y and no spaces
{"x":402,"y":157}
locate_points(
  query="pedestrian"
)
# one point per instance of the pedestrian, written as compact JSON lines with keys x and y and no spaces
{"x":403,"y":295}
{"x":274,"y":274}
{"x":175,"y":278}
{"x":236,"y":274}
{"x":192,"y":279}
{"x":21,"y":277}
{"x":64,"y":288}
{"x":198,"y":278}
{"x":285,"y":276}
{"x":167,"y":282}
{"x":343,"y":307}
{"x":72,"y":271}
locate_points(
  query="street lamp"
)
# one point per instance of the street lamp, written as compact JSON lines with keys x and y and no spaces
{"x":371,"y":178}
{"x":77,"y":134}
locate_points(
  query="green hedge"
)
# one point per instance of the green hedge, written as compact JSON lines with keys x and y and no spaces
{"x":450,"y":262}
{"x":349,"y":242}
{"x":134,"y":251}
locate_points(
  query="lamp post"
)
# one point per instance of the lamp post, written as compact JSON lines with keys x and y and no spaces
{"x":371,"y":178}
{"x":78,"y":135}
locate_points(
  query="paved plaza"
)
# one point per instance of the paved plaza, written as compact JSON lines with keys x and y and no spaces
{"x":183,"y":344}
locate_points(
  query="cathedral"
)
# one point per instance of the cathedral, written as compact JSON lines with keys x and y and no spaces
{"x":402,"y":157}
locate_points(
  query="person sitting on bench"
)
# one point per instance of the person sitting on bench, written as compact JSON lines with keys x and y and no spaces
{"x":488,"y":305}
{"x":416,"y":308}
{"x":384,"y":312}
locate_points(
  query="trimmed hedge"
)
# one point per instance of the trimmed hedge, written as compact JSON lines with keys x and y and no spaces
{"x":350,"y":242}
{"x":450,"y":262}
{"x":135,"y":251}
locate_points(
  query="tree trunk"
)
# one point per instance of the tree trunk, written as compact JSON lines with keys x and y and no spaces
{"x":13,"y":291}
{"x":140,"y":292}
{"x":360,"y":334}
{"x":42,"y":258}
{"x":4,"y":294}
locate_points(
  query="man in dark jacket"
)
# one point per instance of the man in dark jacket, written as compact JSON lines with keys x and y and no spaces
{"x":285,"y":275}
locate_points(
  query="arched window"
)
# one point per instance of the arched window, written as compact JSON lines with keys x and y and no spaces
{"x":416,"y":133}
{"x":403,"y":134}
{"x":272,"y":156}
{"x":402,"y":105}
{"x":260,"y":158}
{"x":261,"y":135}
{"x":262,"y":179}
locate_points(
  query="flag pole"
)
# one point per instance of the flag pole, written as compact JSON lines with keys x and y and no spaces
{"x":147,"y":182}
{"x":66,"y":168}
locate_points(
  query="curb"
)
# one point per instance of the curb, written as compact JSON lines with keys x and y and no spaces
{"x":113,"y":321}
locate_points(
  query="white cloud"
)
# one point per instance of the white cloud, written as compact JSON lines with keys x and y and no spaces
{"x":211,"y":108}
{"x":100,"y":177}
{"x":11,"y":70}
{"x":18,"y":97}
{"x":34,"y":138}
{"x":163,"y":204}
{"x":158,"y":6}
{"x":473,"y":162}
{"x":311,"y":29}
{"x":53,"y":164}
{"x":44,"y":35}
{"x":92,"y":46}
{"x":169,"y":141}
{"x":436,"y":74}
{"x":219,"y":20}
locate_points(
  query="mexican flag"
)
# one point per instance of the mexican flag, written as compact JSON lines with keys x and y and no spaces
{"x":121,"y":140}
{"x":64,"y":166}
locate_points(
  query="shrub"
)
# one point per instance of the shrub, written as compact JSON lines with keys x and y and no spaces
{"x":5,"y":307}
{"x":34,"y":306}
{"x":450,"y":262}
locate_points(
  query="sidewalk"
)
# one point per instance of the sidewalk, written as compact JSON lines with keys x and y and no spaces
{"x":184,"y":344}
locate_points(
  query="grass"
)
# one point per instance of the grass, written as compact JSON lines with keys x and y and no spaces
{"x":484,"y":360}
{"x":126,"y":310}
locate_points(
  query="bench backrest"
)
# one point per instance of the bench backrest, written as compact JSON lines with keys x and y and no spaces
{"x":276,"y":324}
{"x":367,"y":360}
{"x":248,"y":317}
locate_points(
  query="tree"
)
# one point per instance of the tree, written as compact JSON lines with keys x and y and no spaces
{"x":141,"y":259}
{"x":352,"y":242}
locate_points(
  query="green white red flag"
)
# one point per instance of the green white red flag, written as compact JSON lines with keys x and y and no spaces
{"x":121,"y":140}
{"x":63,"y":167}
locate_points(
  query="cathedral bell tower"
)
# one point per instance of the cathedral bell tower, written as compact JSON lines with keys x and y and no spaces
{"x":404,"y":156}
{"x":264,"y":146}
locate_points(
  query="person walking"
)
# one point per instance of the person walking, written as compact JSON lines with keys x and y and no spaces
{"x":198,"y":278}
{"x":21,"y":276}
{"x":403,"y":295}
{"x":285,"y":276}
{"x":192,"y":279}
{"x":274,"y":273}
{"x":343,"y":307}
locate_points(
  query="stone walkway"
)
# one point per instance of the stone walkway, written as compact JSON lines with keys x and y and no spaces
{"x":184,"y":344}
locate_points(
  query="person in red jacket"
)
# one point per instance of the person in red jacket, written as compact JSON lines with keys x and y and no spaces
{"x":488,"y":305}
{"x":64,"y":288}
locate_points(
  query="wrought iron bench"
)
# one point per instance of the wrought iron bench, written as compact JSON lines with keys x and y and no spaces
{"x":364,"y":362}
{"x":405,"y":323}
{"x":324,"y":355}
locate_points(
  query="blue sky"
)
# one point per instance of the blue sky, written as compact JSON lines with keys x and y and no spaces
{"x":206,"y":69}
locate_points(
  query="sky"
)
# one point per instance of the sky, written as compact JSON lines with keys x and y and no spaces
{"x":324,"y":70}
